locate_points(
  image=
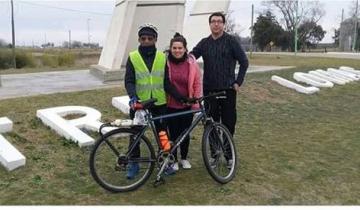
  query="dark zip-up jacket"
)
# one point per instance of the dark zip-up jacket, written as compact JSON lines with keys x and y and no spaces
{"x":220,"y":57}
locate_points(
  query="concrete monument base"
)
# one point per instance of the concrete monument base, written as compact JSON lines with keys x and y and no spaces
{"x":107,"y":75}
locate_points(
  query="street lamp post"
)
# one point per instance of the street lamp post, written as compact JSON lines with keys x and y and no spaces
{"x":88,"y":29}
{"x":356,"y":19}
{"x":252,"y":30}
{"x":13,"y":34}
{"x":296,"y":25}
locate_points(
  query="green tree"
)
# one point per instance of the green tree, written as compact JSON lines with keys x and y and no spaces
{"x":310,"y":34}
{"x":266,"y":30}
{"x":308,"y":11}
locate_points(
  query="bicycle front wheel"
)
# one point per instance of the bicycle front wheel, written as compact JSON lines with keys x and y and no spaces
{"x":219,"y":153}
{"x":117,"y":169}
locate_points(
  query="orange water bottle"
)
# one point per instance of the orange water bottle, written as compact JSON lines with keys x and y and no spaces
{"x":164,"y":141}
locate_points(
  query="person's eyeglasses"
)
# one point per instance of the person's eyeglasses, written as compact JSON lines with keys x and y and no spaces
{"x":216,"y":21}
{"x":149,"y":38}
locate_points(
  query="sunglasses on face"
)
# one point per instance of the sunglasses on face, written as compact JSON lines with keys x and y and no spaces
{"x":216,"y":21}
{"x":149,"y":38}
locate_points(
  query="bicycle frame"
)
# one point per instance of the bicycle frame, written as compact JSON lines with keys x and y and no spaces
{"x":150,"y":123}
{"x":136,"y":134}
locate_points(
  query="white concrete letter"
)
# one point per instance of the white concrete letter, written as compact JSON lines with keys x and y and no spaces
{"x":312,"y":80}
{"x":10,"y":157}
{"x":295,"y":86}
{"x":121,"y":103}
{"x":70,"y":129}
{"x":349,"y":69}
{"x":336,"y":73}
{"x":350,"y":75}
{"x":322,"y":74}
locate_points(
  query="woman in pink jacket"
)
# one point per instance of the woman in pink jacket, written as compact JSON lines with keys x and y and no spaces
{"x":182,"y":81}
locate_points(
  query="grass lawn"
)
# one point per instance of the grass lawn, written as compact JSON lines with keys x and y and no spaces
{"x":294,"y":149}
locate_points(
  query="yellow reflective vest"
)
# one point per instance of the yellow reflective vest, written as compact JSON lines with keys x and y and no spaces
{"x":149,"y":84}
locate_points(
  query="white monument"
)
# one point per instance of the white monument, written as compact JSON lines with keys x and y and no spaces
{"x":122,"y":36}
{"x":168,"y":16}
{"x":197,"y":25}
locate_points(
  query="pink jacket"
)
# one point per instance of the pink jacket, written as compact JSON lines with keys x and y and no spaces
{"x":195,"y":80}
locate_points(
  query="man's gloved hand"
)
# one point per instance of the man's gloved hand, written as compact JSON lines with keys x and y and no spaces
{"x":133,"y":101}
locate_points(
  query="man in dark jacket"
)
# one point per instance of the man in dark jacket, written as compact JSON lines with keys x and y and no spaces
{"x":220,"y":52}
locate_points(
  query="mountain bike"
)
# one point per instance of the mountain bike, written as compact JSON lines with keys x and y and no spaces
{"x":113,"y":152}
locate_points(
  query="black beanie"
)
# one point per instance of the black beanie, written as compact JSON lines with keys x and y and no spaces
{"x":147,"y":31}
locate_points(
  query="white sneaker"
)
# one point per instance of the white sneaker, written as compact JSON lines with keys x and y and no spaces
{"x":185,"y":164}
{"x":175,"y":166}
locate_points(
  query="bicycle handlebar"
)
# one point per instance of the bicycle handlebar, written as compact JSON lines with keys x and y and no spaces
{"x":148,"y":103}
{"x":199,"y":100}
{"x":144,"y":104}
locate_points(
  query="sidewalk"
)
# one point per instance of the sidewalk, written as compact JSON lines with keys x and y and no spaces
{"x":20,"y":85}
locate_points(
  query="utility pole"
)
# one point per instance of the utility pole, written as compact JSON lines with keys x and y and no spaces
{"x":69,"y":39}
{"x":88,"y":29}
{"x":252,"y":30}
{"x":342,"y":16}
{"x":13,"y":34}
{"x":296,"y":25}
{"x":356,"y":19}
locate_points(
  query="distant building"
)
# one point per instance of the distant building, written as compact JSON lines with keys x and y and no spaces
{"x":347,"y":29}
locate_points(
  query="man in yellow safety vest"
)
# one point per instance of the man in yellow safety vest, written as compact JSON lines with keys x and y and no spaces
{"x":144,"y":79}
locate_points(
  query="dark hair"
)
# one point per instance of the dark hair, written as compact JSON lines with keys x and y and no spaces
{"x":178,"y":38}
{"x":217,"y":14}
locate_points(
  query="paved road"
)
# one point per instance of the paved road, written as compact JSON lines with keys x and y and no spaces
{"x":21,"y":85}
{"x":320,"y":55}
{"x":18,"y":85}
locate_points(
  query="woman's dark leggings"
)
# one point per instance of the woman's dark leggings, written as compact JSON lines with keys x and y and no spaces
{"x":176,"y":126}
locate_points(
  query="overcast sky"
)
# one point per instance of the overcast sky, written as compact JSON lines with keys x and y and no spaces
{"x":50,"y":21}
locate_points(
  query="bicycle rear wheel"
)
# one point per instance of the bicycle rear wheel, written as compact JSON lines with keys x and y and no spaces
{"x":219,"y":153}
{"x":110,"y":161}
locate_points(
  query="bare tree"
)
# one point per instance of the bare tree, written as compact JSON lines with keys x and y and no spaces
{"x":231,"y":26}
{"x":352,"y":9}
{"x":308,"y":11}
